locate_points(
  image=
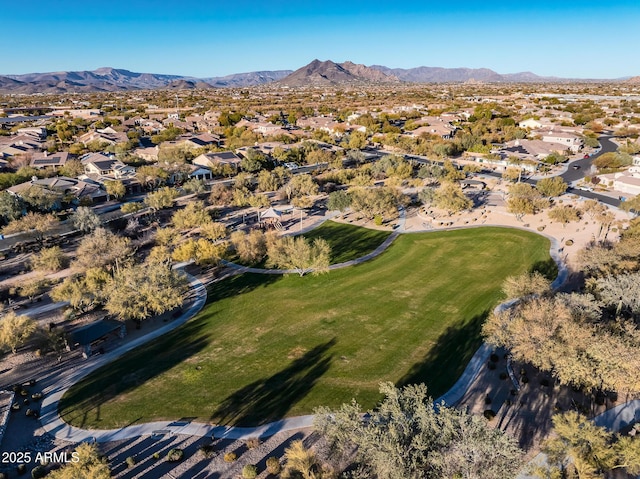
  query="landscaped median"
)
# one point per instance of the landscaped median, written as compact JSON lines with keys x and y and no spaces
{"x":266,"y":347}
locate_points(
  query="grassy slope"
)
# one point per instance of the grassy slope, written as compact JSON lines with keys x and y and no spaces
{"x":266,"y":347}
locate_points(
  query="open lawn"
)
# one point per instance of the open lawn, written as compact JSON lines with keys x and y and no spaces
{"x":266,"y":346}
{"x":347,"y":241}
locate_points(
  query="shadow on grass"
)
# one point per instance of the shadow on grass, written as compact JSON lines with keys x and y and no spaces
{"x":239,"y":284}
{"x":547,"y":268}
{"x":347,"y":241}
{"x":447,"y":359}
{"x":269,"y":399}
{"x":82,"y":402}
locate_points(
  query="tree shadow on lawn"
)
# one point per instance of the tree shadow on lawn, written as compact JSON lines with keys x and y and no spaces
{"x":135,"y":368}
{"x":547,"y":268}
{"x":447,"y":359}
{"x":239,"y":284}
{"x":347,"y":244}
{"x":269,"y":399}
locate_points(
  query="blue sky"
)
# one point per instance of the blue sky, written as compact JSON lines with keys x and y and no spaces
{"x":578,"y":39}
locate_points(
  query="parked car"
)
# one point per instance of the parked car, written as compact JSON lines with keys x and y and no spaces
{"x":576,"y":167}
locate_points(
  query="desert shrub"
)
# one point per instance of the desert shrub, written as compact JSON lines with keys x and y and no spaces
{"x":230,"y":457}
{"x":175,"y":455}
{"x":207,"y":450}
{"x":252,"y":442}
{"x":156,"y":455}
{"x":249,"y":471}
{"x":377,"y":220}
{"x":131,"y":207}
{"x":38,"y":472}
{"x":489,"y":414}
{"x":494,"y":358}
{"x":22,"y":468}
{"x":131,"y":461}
{"x":568,"y":242}
{"x":273,"y":465}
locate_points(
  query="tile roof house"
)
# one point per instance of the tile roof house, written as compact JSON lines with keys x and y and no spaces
{"x":106,"y":137}
{"x":531,"y":149}
{"x":63,"y":186}
{"x":97,"y":164}
{"x":434,"y":125}
{"x":627,"y":182}
{"x":19,"y":144}
{"x":147,"y":154}
{"x":49,"y":160}
{"x":572,"y":142}
{"x":203,"y":140}
{"x":213,"y":159}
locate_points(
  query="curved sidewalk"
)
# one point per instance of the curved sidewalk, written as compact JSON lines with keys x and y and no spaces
{"x":51,"y":421}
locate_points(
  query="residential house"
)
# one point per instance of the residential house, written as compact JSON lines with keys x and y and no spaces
{"x":203,"y":140}
{"x":63,"y":187}
{"x":100,"y":168}
{"x":98,"y":164}
{"x":175,"y":122}
{"x":49,"y":160}
{"x":627,"y":182}
{"x":433,"y":125}
{"x":217,"y":159}
{"x":572,"y":142}
{"x":37,"y":132}
{"x":322,"y":123}
{"x":269,"y":129}
{"x":149,"y":154}
{"x":185,"y":172}
{"x":106,"y":135}
{"x":531,"y":124}
{"x":530,"y":149}
{"x":19,"y":145}
{"x":200,"y":173}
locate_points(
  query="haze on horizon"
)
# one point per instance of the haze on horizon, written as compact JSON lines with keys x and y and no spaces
{"x":569,"y":39}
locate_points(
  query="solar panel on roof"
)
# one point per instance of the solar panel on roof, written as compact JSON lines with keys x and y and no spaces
{"x":47,"y":161}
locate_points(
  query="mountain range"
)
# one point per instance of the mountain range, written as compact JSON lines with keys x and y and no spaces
{"x":315,"y":74}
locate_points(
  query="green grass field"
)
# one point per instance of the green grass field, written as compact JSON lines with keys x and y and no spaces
{"x":347,"y":241}
{"x":265,"y":347}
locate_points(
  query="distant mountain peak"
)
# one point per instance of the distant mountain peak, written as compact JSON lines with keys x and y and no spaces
{"x":328,"y":72}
